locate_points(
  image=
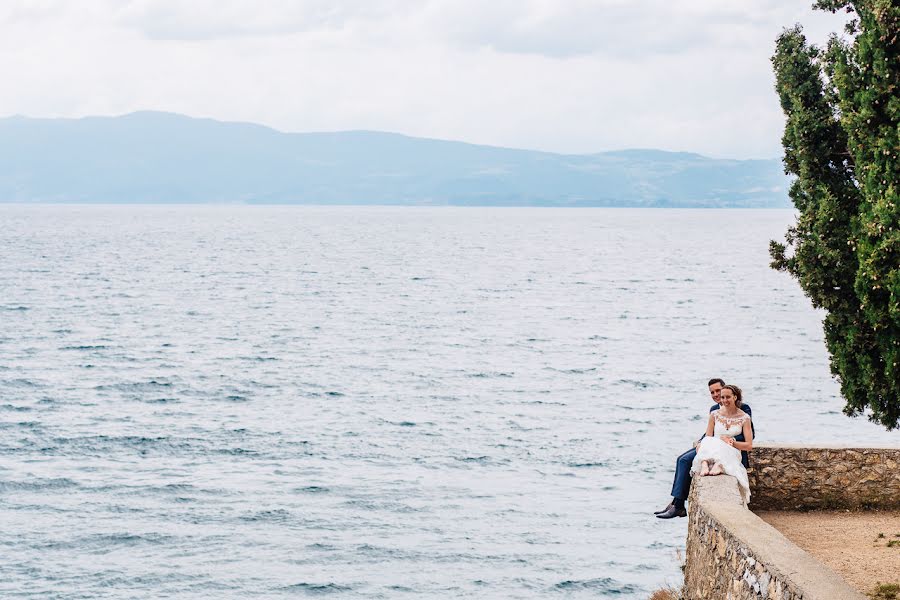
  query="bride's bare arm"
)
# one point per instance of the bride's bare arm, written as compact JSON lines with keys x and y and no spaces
{"x":710,"y":425}
{"x":747,"y":444}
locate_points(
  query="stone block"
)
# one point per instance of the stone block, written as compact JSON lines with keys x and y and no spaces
{"x":805,"y":478}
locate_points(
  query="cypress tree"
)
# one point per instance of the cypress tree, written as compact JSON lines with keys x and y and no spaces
{"x":841,"y":141}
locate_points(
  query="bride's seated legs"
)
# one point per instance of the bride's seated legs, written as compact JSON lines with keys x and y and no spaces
{"x":704,"y":469}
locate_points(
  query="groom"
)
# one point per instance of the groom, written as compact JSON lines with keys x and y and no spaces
{"x":682,"y":484}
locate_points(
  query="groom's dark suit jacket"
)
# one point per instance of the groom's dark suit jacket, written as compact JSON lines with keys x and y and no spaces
{"x":745,"y":456}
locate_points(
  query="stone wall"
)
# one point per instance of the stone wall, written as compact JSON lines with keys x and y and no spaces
{"x":734,"y":555}
{"x":789,"y":477}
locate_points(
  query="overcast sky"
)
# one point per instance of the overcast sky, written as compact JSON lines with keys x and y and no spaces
{"x":559,"y":75}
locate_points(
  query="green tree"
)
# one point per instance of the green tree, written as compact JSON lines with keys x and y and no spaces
{"x":841,"y":141}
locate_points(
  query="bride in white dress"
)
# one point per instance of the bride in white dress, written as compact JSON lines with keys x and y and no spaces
{"x":718,"y":452}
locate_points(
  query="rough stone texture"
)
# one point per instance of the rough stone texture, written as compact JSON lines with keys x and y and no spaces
{"x":733,"y":555}
{"x":803,"y":478}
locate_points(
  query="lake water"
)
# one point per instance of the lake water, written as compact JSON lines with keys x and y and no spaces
{"x":364,"y":402}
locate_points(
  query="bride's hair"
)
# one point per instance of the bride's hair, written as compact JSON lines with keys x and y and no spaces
{"x":738,"y":396}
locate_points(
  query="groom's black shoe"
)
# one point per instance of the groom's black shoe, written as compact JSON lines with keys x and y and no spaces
{"x":668,"y":506}
{"x":672,"y":512}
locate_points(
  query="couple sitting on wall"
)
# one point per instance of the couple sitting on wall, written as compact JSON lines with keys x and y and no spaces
{"x":723,"y":449}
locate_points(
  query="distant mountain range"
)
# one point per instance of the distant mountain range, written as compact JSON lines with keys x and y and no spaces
{"x":152,"y":157}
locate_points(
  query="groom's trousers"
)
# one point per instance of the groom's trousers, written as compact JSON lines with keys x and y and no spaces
{"x":681,"y":487}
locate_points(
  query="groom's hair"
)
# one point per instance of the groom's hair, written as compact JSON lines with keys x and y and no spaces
{"x":716,"y":380}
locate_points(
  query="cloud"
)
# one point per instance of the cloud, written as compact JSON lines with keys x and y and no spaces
{"x":565,"y":29}
{"x":217,"y":19}
{"x":619,"y":28}
{"x":573,"y":76}
{"x":546,"y":27}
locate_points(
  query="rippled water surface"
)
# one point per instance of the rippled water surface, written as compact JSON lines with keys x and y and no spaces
{"x":268,"y":402}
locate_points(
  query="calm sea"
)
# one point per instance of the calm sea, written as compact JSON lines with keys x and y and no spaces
{"x":276,"y":402}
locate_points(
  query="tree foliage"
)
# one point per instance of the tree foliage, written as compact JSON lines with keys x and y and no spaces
{"x":841,"y":141}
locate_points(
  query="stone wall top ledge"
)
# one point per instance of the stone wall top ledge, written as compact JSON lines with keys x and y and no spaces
{"x":774,"y":445}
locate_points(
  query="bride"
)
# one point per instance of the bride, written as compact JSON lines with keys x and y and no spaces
{"x":718,"y":452}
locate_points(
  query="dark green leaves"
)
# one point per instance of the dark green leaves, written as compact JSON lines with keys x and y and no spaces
{"x":842,"y":142}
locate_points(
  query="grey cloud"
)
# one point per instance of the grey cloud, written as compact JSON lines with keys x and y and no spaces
{"x":208,"y":20}
{"x":34,"y":13}
{"x":615,"y":28}
{"x":604,"y":27}
{"x":20,"y":11}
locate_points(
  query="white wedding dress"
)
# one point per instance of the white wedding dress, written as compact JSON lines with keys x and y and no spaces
{"x":715,"y":451}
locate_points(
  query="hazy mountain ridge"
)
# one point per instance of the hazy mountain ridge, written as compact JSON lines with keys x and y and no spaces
{"x":162,"y":157}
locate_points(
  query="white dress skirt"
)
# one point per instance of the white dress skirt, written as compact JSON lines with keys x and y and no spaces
{"x":715,"y":451}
